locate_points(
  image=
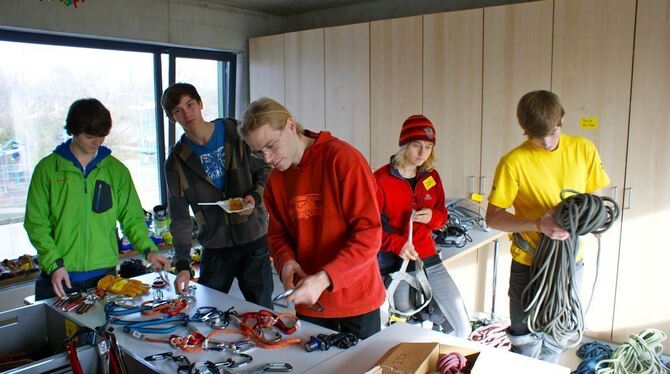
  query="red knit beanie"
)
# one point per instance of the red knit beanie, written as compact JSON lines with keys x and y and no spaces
{"x":417,"y":127}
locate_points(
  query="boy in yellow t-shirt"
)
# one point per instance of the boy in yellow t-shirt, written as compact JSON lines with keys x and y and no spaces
{"x":530,"y":178}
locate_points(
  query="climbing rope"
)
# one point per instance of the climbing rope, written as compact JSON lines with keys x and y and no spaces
{"x":493,"y":335}
{"x":551,"y":298}
{"x":591,"y":354}
{"x":640,"y":354}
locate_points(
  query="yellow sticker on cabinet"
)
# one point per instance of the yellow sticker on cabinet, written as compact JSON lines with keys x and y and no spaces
{"x":476,"y":197}
{"x":588,"y":123}
{"x":429,"y":183}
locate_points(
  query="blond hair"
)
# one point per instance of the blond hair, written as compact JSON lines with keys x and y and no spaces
{"x":399,"y":161}
{"x":265,"y":111}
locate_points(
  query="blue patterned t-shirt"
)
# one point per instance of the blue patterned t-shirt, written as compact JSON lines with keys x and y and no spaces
{"x":212,"y":154}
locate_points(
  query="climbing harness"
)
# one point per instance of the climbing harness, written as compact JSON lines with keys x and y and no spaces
{"x":418,"y":282}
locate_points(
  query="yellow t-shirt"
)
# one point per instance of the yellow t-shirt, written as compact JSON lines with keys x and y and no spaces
{"x":531,"y":179}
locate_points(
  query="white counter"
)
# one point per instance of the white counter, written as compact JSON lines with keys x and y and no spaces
{"x":491,"y":360}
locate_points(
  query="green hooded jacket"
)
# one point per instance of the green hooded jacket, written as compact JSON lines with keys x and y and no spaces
{"x":71,"y":214}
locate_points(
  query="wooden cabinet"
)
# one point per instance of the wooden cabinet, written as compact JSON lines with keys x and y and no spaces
{"x":304,"y":72}
{"x":266,"y":68}
{"x":517,"y":59}
{"x":641,"y":298}
{"x":452,"y":94}
{"x":452,"y":100}
{"x":396,"y":65}
{"x":593,"y":54}
{"x":347,"y":64}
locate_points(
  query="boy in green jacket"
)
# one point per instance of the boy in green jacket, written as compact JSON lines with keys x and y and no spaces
{"x":76,"y":195}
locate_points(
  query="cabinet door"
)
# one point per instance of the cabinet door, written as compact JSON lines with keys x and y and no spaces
{"x":452,"y":94}
{"x":517,"y":59}
{"x":348,"y":84}
{"x":641,"y":298}
{"x":304,"y":67}
{"x":266,"y":68}
{"x":593,"y":50}
{"x":395,"y":82}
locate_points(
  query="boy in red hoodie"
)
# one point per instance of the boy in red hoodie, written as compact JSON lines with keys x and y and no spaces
{"x":325,"y":230}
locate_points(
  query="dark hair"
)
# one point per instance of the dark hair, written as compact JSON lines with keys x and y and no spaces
{"x":539,"y":112}
{"x":173,"y":94}
{"x":88,"y":116}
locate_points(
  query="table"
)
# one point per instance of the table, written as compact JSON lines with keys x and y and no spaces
{"x":480,"y":238}
{"x":363,"y":356}
{"x":294,"y":354}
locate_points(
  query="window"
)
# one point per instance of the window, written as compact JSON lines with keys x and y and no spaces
{"x":41,"y":75}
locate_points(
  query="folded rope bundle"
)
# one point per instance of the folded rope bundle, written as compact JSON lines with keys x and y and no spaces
{"x":551,"y":298}
{"x":451,"y":363}
{"x":591,"y":354}
{"x":493,"y":335}
{"x":641,"y":353}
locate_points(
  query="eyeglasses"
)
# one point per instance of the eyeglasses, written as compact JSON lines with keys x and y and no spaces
{"x":268,"y":149}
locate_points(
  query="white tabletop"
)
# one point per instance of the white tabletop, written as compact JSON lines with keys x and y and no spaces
{"x":480,"y":238}
{"x":295,"y":355}
{"x":491,"y":360}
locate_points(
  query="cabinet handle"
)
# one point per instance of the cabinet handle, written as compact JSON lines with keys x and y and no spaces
{"x":472,"y":184}
{"x":615,"y":192}
{"x":482,"y":185}
{"x":627,"y":192}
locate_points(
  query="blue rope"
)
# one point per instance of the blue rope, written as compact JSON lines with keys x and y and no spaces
{"x":592,"y":353}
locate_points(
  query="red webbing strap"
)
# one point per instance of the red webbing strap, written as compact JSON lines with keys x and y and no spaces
{"x":71,"y":350}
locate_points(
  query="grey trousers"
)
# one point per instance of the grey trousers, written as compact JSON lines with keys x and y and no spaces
{"x":541,"y":346}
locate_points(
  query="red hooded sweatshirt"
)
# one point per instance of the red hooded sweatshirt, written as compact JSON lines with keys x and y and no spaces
{"x":323,"y":215}
{"x":397,"y":199}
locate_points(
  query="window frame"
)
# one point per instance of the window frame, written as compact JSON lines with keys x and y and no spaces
{"x":228,"y":73}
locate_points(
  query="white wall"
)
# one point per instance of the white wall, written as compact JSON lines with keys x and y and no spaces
{"x":196,"y":23}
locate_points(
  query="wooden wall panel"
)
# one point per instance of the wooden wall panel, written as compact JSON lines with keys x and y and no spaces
{"x":304,"y":69}
{"x":592,"y":65}
{"x":396,"y":78}
{"x":266,"y":68}
{"x":517,"y":59}
{"x":347,"y":64}
{"x":643,"y":276}
{"x":452,"y":94}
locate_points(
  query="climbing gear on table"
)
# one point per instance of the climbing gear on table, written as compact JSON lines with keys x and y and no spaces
{"x":641,"y":353}
{"x":232,"y":362}
{"x":271,"y":367}
{"x":261,"y":327}
{"x":317,"y":307}
{"x":323,"y":342}
{"x":116,"y":284}
{"x":591,"y":354}
{"x":183,"y":363}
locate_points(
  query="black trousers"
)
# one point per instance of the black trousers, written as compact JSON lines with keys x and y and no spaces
{"x":219,"y":267}
{"x":362,"y":326}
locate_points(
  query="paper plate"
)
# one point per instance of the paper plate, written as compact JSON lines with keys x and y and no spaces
{"x":225,"y":205}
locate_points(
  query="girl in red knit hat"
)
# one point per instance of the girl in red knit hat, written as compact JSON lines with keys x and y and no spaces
{"x":412,"y":204}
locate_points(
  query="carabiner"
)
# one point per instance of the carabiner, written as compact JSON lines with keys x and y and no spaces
{"x":238,"y":359}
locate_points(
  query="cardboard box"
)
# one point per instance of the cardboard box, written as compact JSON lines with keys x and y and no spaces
{"x":420,"y":358}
